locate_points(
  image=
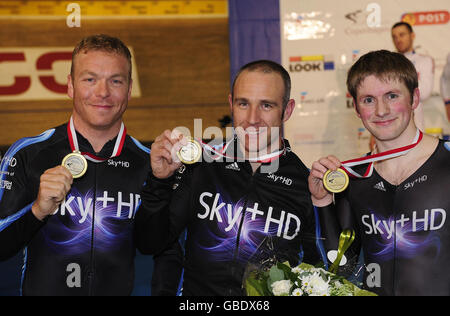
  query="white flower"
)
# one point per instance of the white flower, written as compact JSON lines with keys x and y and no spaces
{"x":297,"y":270}
{"x":297,"y":292}
{"x":315,"y":285}
{"x":280,"y":288}
{"x":319,"y":286}
{"x":305,"y":281}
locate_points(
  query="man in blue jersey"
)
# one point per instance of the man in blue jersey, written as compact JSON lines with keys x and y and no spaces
{"x":398,"y":205}
{"x":235,"y":211}
{"x":69,"y":196}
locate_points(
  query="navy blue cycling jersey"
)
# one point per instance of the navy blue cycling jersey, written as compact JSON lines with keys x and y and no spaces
{"x":403,"y":229}
{"x":87,"y":246}
{"x":235,"y":217}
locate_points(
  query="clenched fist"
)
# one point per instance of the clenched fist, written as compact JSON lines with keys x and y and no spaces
{"x":54,"y":185}
{"x":319,"y":195}
{"x":163,"y":158}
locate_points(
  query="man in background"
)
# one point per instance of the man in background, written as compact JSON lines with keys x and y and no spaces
{"x":403,"y":37}
{"x":445,"y":86}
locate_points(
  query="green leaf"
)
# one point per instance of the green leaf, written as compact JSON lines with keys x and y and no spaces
{"x":324,"y":275}
{"x":286,"y":268}
{"x":360,"y":292}
{"x":306,"y":266}
{"x":320,"y":265}
{"x":357,"y":291}
{"x":254,"y":287}
{"x":276,"y":274}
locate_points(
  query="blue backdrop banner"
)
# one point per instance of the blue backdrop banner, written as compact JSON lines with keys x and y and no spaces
{"x":254,"y":27}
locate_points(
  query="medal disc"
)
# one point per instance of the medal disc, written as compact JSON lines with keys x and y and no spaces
{"x":191,"y":152}
{"x":335,"y":181}
{"x":76,"y":164}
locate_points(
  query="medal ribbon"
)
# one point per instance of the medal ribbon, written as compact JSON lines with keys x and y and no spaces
{"x":261,"y":159}
{"x":346,"y":165}
{"x":117,"y":147}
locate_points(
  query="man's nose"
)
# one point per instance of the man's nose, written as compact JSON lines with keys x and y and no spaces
{"x":253,"y":115}
{"x":102,"y":89}
{"x":382,"y":108}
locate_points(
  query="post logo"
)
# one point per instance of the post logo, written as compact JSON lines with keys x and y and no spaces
{"x":426,"y":18}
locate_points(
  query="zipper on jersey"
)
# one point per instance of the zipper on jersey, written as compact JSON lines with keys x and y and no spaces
{"x":394,"y":263}
{"x":91,"y":269}
{"x":238,"y":238}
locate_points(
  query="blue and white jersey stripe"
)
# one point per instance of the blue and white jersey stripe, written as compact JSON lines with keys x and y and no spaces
{"x":146,"y":149}
{"x":6,"y":161}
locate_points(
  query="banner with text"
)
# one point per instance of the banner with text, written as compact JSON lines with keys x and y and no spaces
{"x":320,"y":40}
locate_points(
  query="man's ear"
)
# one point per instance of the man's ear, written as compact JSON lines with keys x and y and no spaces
{"x":69,"y":86}
{"x":416,"y":98}
{"x":290,"y":106}
{"x":230,"y":101}
{"x":129,"y":89}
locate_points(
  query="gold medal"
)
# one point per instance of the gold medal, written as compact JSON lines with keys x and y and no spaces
{"x":191,"y":152}
{"x":75,"y":163}
{"x":335,"y":181}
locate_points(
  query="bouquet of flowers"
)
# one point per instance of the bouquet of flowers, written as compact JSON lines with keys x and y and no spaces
{"x":303,"y":280}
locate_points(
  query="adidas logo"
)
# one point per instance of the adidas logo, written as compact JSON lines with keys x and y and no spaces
{"x":233,"y":166}
{"x":380,"y":186}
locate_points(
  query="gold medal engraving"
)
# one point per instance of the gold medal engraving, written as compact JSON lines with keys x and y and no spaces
{"x":76,"y":164}
{"x":335,"y":181}
{"x":191,"y":152}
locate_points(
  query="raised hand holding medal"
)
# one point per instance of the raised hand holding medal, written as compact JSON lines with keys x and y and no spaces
{"x":164,"y":156}
{"x":171,"y":149}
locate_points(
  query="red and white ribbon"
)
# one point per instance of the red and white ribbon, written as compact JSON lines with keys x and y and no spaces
{"x":346,"y":165}
{"x":117,"y":147}
{"x":260,"y":159}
